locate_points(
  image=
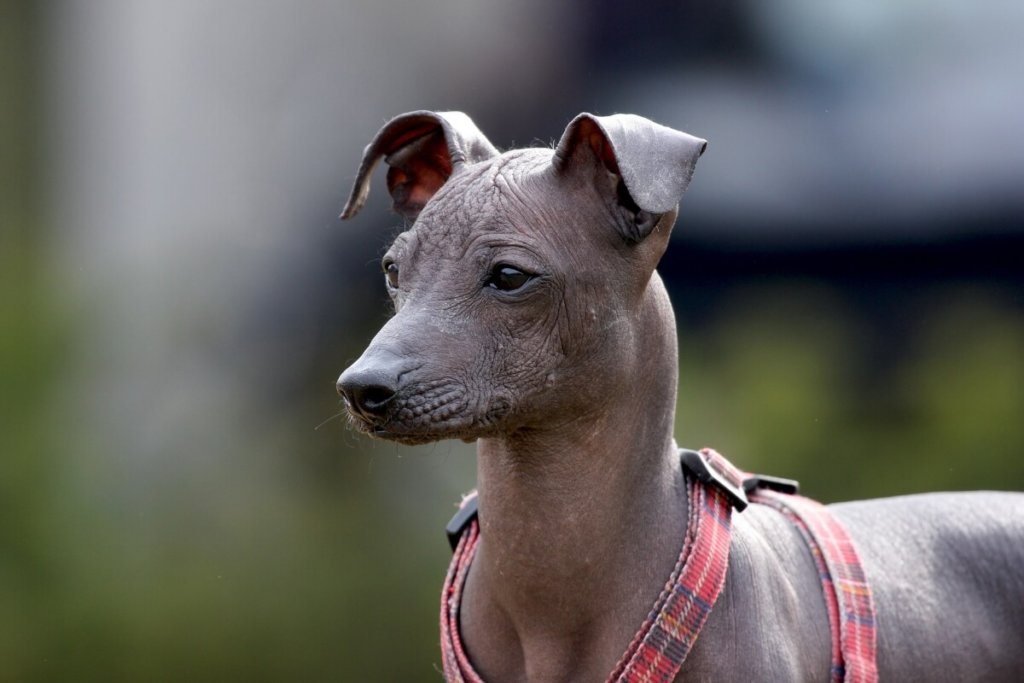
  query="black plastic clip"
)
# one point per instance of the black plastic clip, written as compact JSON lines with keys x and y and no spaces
{"x":764,"y":481}
{"x":709,"y":474}
{"x":458,"y":523}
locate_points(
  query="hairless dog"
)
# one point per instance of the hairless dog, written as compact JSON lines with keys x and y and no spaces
{"x":530,"y":319}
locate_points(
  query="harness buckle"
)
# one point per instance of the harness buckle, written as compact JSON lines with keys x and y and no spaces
{"x":461,"y":519}
{"x":717,"y":471}
{"x":764,"y":481}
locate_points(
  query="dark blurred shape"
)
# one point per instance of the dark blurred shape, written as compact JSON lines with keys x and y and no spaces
{"x":624,"y":37}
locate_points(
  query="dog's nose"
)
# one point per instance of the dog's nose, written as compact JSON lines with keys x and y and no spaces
{"x":368,"y":391}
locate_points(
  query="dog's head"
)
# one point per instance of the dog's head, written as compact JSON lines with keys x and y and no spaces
{"x":517,"y":285}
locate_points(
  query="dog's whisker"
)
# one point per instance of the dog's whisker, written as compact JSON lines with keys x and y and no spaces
{"x":332,"y":417}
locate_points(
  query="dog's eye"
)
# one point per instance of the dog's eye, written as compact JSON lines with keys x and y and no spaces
{"x":391,"y":273}
{"x":507,"y":279}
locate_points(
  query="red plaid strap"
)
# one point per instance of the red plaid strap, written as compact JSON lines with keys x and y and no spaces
{"x":663,"y":642}
{"x":671,"y":628}
{"x":851,"y":613}
{"x":456,"y":663}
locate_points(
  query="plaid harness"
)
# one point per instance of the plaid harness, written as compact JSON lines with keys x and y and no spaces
{"x":660,"y":647}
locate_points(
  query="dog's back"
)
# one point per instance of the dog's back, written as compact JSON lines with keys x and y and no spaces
{"x":947,"y":574}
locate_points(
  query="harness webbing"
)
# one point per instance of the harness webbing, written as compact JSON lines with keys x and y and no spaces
{"x":660,"y":647}
{"x":851,"y":612}
{"x":670,"y":630}
{"x":456,"y":663}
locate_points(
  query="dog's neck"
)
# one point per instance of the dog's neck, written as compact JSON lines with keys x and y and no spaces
{"x":580,"y":527}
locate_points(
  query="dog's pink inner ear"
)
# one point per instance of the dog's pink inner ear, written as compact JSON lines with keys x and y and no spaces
{"x":418,"y":170}
{"x":422,"y":148}
{"x":603,"y":150}
{"x":412,"y":188}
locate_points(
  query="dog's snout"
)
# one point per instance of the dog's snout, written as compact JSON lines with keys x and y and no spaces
{"x":368,"y":391}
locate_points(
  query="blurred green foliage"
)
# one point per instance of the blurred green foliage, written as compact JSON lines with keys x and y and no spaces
{"x":790,"y":381}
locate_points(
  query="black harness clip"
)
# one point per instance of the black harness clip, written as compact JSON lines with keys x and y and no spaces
{"x":764,"y":481}
{"x":730,"y":483}
{"x":461,"y":519}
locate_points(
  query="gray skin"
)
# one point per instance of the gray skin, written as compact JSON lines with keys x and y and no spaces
{"x":566,"y":381}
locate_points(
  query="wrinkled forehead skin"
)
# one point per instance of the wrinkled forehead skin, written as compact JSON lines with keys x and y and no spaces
{"x":557,"y":225}
{"x":485,"y":200}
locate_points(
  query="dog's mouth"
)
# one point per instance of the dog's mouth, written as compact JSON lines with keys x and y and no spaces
{"x":413,"y":434}
{"x":421,"y":420}
{"x":416,"y":438}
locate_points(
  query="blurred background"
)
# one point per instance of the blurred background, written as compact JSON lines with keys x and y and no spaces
{"x":180,"y":498}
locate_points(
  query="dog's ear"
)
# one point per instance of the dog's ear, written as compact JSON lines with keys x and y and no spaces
{"x":422,"y":148}
{"x":650,"y":165}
